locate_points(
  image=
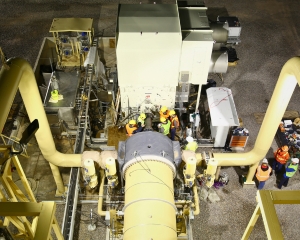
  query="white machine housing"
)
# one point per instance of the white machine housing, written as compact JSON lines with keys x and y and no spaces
{"x":154,"y":54}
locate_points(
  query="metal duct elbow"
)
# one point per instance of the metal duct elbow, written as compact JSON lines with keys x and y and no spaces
{"x":218,"y":62}
{"x":20,"y":74}
{"x":220,"y":32}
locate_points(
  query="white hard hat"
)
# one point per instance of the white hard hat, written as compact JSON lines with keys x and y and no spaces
{"x":295,"y":160}
{"x":190,"y":139}
{"x":265,"y":160}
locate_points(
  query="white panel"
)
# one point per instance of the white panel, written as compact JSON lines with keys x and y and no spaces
{"x":221,"y":106}
{"x":199,"y":68}
{"x":195,"y":56}
{"x":221,"y":136}
{"x":222,"y":113}
{"x":148,"y":58}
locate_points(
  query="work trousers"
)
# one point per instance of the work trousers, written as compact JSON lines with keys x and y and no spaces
{"x":261,"y":185}
{"x":173,"y":133}
{"x":283,"y":182}
{"x":277,"y":166}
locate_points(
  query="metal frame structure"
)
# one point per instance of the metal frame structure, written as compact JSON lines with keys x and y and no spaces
{"x":62,"y":25}
{"x":265,"y":207}
{"x":15,"y":206}
{"x":45,"y":222}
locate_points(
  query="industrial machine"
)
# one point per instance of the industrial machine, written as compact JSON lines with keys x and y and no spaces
{"x":163,"y":56}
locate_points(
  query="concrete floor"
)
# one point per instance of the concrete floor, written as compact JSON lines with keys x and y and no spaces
{"x":270,"y":36}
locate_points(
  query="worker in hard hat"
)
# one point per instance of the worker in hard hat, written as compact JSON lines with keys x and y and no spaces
{"x":263,"y":173}
{"x":174,"y":124}
{"x":164,"y":112}
{"x":164,"y":126}
{"x":192,"y":145}
{"x":131,"y":127}
{"x":281,"y":157}
{"x":290,"y":171}
{"x":140,"y":123}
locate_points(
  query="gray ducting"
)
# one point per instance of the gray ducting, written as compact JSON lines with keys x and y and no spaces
{"x":220,"y":32}
{"x":218,"y":62}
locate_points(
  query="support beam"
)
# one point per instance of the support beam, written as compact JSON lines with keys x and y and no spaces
{"x":269,"y":215}
{"x":45,"y":221}
{"x":251,"y":224}
{"x":20,"y":209}
{"x":266,"y":200}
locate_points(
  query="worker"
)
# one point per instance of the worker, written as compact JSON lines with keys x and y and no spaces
{"x":263,"y":172}
{"x":281,"y":157}
{"x":174,"y":124}
{"x":131,"y":127}
{"x":164,"y":126}
{"x":164,"y":112}
{"x":290,"y":171}
{"x":140,"y":123}
{"x":192,"y":145}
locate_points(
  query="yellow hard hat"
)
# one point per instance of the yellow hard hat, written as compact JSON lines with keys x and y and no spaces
{"x":163,"y":109}
{"x":162,"y":119}
{"x":172,"y":112}
{"x":142,"y":115}
{"x":285,"y":148}
{"x":132,"y":122}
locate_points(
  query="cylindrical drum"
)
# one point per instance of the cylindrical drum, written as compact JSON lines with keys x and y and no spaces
{"x":149,"y":210}
{"x":218,"y":62}
{"x":211,"y":167}
{"x":89,"y":168}
{"x":191,"y":166}
{"x":220,"y":32}
{"x":110,"y":167}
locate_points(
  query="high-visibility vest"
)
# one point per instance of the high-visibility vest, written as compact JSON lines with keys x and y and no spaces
{"x":130,"y":129}
{"x":174,"y":119}
{"x":291,"y":166}
{"x":166,"y":127}
{"x":142,"y":121}
{"x":263,"y":175}
{"x":192,"y":146}
{"x":281,"y":156}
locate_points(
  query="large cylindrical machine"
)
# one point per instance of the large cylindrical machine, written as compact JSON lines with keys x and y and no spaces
{"x":150,"y":161}
{"x":149,"y":202}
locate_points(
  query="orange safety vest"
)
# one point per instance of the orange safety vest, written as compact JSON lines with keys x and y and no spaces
{"x":281,"y":156}
{"x":262,"y":175}
{"x":166,"y":116}
{"x":172,"y":121}
{"x":130,"y":129}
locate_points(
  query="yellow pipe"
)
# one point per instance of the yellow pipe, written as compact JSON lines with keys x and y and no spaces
{"x":21,"y":75}
{"x":149,"y":207}
{"x":58,"y":180}
{"x":288,"y":78}
{"x":197,"y":208}
{"x":101,"y":190}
